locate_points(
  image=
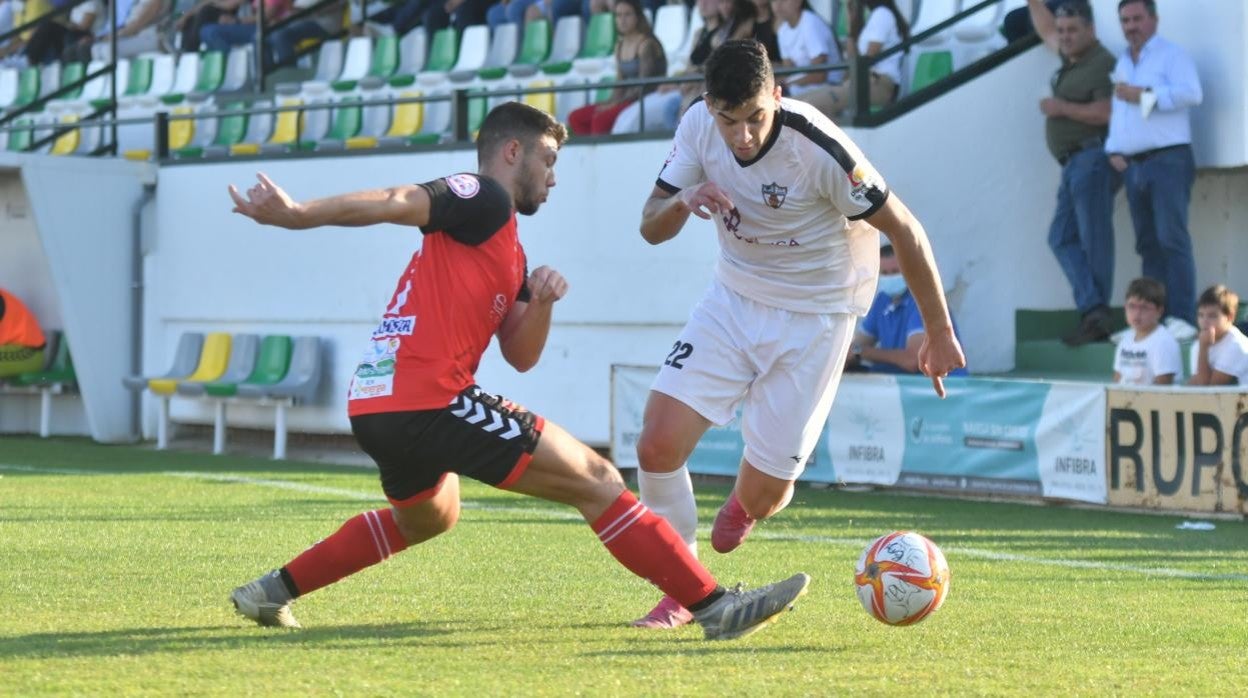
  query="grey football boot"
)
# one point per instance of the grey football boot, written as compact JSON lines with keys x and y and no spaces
{"x":266,"y":601}
{"x":739,"y":613}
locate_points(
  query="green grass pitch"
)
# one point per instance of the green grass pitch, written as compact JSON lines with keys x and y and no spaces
{"x":116,"y":563}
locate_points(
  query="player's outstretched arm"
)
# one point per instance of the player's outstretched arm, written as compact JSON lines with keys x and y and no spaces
{"x":268,"y":204}
{"x":665,"y":213}
{"x":940,"y":352}
{"x":522,"y":336}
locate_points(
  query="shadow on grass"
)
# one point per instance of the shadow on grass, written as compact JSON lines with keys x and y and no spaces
{"x":142,"y":641}
{"x":698,"y":647}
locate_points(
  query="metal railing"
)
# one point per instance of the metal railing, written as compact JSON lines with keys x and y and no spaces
{"x":460,"y":97}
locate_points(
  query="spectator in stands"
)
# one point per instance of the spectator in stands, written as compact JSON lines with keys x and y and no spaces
{"x":51,"y":38}
{"x":763,"y":8}
{"x":136,"y":32}
{"x":805,"y":39}
{"x":662,"y":108}
{"x":322,"y":24}
{"x":202,"y":14}
{"x":885,"y":27}
{"x":1150,"y":137}
{"x":1082,"y":232}
{"x":1018,"y":24}
{"x":509,"y":12}
{"x":13,"y":53}
{"x":638,"y":54}
{"x":1220,"y":353}
{"x":21,"y":340}
{"x":889,"y":337}
{"x":240,"y":30}
{"x":434,"y":14}
{"x":1149,"y":354}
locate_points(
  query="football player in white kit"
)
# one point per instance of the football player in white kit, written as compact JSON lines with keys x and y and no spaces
{"x":797,"y":207}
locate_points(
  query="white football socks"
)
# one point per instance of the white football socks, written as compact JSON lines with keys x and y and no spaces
{"x":670,"y":495}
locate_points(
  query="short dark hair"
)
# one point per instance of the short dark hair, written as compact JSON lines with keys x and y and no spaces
{"x":1150,"y":290}
{"x":737,"y":71}
{"x":1075,"y":8}
{"x":1223,"y":298}
{"x":519,"y":121}
{"x":1150,"y":5}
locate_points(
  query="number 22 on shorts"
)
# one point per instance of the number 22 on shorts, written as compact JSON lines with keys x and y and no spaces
{"x":680,"y":351}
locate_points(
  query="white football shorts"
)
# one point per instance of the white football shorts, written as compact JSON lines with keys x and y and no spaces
{"x":781,"y":367}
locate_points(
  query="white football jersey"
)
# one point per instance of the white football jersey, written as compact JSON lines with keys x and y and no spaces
{"x":795,"y":239}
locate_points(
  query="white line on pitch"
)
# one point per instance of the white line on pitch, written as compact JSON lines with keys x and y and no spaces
{"x":562,"y":514}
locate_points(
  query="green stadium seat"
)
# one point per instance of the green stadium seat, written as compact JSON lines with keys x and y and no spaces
{"x":443,"y":51}
{"x":534,"y":48}
{"x":599,"y":43}
{"x":71,"y":73}
{"x":231,"y":129}
{"x":930,"y":68}
{"x":21,"y":138}
{"x":384,"y":61}
{"x":27,"y":86}
{"x":271,"y":365}
{"x":57,"y":376}
{"x":138,"y":82}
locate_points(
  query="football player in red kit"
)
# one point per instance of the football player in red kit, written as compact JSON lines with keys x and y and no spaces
{"x":417,"y":411}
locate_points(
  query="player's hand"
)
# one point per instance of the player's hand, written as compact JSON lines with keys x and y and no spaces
{"x":939,"y":354}
{"x":546,"y":285}
{"x":705,"y":200}
{"x":1118,"y":162}
{"x":266,"y":203}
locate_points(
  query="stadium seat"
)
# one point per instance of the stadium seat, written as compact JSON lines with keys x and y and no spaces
{"x":138,"y":78}
{"x":384,"y":61}
{"x":599,"y":45}
{"x":534,"y":48}
{"x":566,"y":43}
{"x":242,"y":361}
{"x":299,"y":386}
{"x":180,"y":132}
{"x":185,"y":360}
{"x":412,"y":49}
{"x":346,"y":123}
{"x":212,"y":363}
{"x":56,"y":376}
{"x":71,"y":73}
{"x":443,"y":58}
{"x":69,"y":142}
{"x":28,"y":80}
{"x":405,"y":123}
{"x":671,"y":25}
{"x":231,"y":129}
{"x":8,"y":86}
{"x":285,"y":129}
{"x":328,"y":62}
{"x":355,"y":65}
{"x":502,"y":51}
{"x":680,"y":61}
{"x":931,"y":13}
{"x":978,"y":35}
{"x":541,"y":100}
{"x":21,"y":138}
{"x":931,"y":67}
{"x":237,"y":69}
{"x":271,"y":363}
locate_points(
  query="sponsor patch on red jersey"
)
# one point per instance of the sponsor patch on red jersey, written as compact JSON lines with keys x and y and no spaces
{"x":465,"y":186}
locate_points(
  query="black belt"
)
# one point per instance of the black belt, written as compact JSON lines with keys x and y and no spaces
{"x":1093,"y":142}
{"x":1141,"y":157}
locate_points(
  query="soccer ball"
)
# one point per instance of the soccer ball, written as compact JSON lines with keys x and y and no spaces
{"x":902,"y":578}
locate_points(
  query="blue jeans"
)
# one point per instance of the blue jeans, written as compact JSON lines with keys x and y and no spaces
{"x":223,"y":37}
{"x":1082,"y":233}
{"x":1159,"y":192}
{"x":511,"y":13}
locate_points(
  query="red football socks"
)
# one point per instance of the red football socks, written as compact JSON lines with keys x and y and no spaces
{"x":647,"y":545}
{"x":365,"y":540}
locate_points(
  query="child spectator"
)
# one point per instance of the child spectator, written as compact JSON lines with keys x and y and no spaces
{"x":1149,"y":354}
{"x":1220,"y":354}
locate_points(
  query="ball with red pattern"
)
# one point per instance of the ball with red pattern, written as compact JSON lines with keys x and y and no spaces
{"x":901,"y":578}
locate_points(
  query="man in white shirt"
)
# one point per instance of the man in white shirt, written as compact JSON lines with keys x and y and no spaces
{"x":1149,"y":141}
{"x":1220,"y":354}
{"x":797,"y":208}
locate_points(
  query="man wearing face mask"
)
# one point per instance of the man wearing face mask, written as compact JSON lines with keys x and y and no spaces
{"x":889,"y":337}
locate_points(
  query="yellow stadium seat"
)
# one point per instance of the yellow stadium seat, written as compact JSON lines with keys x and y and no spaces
{"x":541,"y":100}
{"x":406,"y":121}
{"x":68,"y":142}
{"x":285,"y":128}
{"x":180,"y":131}
{"x":212,"y":362}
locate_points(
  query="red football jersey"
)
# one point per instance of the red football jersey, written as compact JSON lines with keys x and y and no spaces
{"x":449,"y":302}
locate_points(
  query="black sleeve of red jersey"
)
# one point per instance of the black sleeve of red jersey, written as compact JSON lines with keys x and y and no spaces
{"x":471,"y":219}
{"x":524,"y":295}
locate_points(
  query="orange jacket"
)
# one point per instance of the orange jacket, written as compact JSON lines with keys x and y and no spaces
{"x":17,"y":324}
